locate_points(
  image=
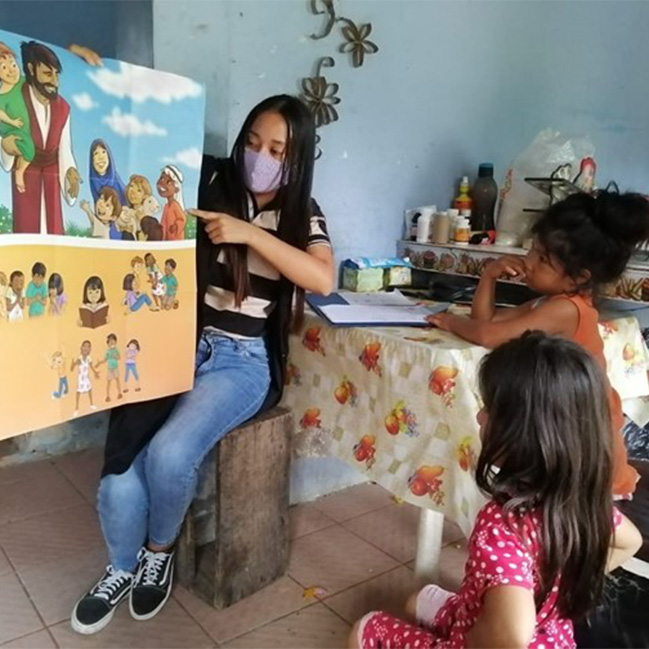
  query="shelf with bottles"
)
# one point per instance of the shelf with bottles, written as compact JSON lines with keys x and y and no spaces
{"x":470,"y":261}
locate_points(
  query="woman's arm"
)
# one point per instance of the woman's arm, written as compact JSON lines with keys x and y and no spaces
{"x":507,"y":620}
{"x":626,"y":541}
{"x":312,"y":270}
{"x":558,"y":317}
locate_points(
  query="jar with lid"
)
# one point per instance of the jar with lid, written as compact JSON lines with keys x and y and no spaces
{"x":462,"y":231}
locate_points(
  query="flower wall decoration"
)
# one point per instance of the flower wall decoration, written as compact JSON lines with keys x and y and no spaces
{"x":318,"y":94}
{"x":357,"y":43}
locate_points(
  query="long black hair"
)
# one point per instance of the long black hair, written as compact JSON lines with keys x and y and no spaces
{"x":594,"y":232}
{"x":549,"y":432}
{"x":294,"y":196}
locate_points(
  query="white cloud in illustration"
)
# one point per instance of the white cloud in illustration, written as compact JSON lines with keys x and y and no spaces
{"x":139,"y":84}
{"x":191,"y":158}
{"x":84,"y":101}
{"x":127,"y":124}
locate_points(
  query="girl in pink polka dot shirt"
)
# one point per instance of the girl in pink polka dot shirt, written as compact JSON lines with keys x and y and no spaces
{"x":541,"y":546}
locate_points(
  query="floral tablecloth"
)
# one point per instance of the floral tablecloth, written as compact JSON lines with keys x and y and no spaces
{"x":400,"y":404}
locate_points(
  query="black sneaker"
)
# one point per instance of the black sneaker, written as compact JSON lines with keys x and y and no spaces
{"x":152,"y":583}
{"x":97,"y":607}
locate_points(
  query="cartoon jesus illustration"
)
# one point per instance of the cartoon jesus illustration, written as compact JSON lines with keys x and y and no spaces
{"x":53,"y":170}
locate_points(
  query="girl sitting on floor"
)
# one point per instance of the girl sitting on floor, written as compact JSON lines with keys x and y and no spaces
{"x":542,"y":544}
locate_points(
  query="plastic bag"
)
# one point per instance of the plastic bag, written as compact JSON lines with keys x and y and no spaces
{"x":550,"y":153}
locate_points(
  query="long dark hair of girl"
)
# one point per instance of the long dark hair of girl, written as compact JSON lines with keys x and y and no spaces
{"x":294,"y":196}
{"x":549,"y":432}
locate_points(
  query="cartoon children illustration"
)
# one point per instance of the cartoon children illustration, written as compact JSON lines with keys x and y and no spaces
{"x":36,"y":293}
{"x":150,"y":229}
{"x":170,"y":282}
{"x":112,"y":360}
{"x":4,"y":286}
{"x":173,"y":219}
{"x":93,"y":311}
{"x":158,"y":289}
{"x":130,"y":356}
{"x":140,"y":201}
{"x":14,"y":118}
{"x":14,"y":296}
{"x":103,"y":172}
{"x":57,"y":296}
{"x":84,"y":386}
{"x":103,"y":219}
{"x":134,"y":298}
{"x":57,"y":363}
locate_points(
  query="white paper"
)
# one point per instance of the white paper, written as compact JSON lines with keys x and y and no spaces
{"x":364,"y":314}
{"x":394,"y":298}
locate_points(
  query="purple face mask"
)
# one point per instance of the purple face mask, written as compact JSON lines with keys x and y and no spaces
{"x":262,"y":172}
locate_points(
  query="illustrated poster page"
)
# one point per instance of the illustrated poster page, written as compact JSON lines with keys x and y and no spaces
{"x":97,"y":252}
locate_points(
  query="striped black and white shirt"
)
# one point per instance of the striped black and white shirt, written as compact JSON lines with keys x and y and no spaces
{"x":249,"y":320}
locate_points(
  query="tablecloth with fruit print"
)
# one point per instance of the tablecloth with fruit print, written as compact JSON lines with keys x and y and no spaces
{"x":400,"y":404}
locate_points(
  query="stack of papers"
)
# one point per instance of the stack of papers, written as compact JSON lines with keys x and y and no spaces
{"x":372,"y":309}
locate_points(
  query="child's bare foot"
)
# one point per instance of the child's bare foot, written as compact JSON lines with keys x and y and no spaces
{"x":119,"y":396}
{"x":125,"y":390}
{"x":138,"y":389}
{"x":107,"y":399}
{"x":20,"y":181}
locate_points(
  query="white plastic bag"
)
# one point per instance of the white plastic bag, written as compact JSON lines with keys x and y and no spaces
{"x":551,"y":152}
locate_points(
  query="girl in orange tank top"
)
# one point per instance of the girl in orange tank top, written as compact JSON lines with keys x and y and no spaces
{"x":580,"y":244}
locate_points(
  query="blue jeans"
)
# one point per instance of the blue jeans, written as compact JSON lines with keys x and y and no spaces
{"x":143,"y":298}
{"x":63,"y":388}
{"x":131,"y":369}
{"x":149,"y":501}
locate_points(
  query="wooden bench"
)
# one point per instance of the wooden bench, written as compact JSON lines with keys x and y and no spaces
{"x":235,"y":536}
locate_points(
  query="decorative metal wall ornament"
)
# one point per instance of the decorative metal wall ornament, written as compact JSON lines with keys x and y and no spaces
{"x":357,"y":42}
{"x":320,"y":96}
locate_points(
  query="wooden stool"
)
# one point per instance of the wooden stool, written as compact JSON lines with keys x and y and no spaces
{"x":235,"y":536}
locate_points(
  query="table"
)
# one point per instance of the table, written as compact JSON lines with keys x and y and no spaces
{"x":400,"y":405}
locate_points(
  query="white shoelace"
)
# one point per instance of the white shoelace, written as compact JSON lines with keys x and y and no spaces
{"x":108,"y":586}
{"x":153,"y":564}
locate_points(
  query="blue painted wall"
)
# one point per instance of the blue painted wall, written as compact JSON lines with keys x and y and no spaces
{"x":115,"y":29}
{"x":454,"y":84}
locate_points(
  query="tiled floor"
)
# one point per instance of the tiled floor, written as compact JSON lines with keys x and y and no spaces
{"x":351,"y":552}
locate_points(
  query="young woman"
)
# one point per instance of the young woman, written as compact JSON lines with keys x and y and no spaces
{"x":262,"y":240}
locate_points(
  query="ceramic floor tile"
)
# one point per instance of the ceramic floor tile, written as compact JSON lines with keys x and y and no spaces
{"x":55,"y":587}
{"x":354,"y":501}
{"x":83,"y":469}
{"x":26,"y":471}
{"x":315,"y":627}
{"x":51,"y":537}
{"x":171,"y":628}
{"x":17,"y":615}
{"x":5,"y":566}
{"x":335,"y":559}
{"x":307,"y":518}
{"x":38,"y":640}
{"x":274,"y":601}
{"x":393,"y":529}
{"x":43,"y":493}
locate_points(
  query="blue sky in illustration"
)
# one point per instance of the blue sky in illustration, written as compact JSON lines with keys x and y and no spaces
{"x":148,"y":118}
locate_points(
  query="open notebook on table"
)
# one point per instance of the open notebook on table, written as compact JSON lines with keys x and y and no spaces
{"x":347,"y":309}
